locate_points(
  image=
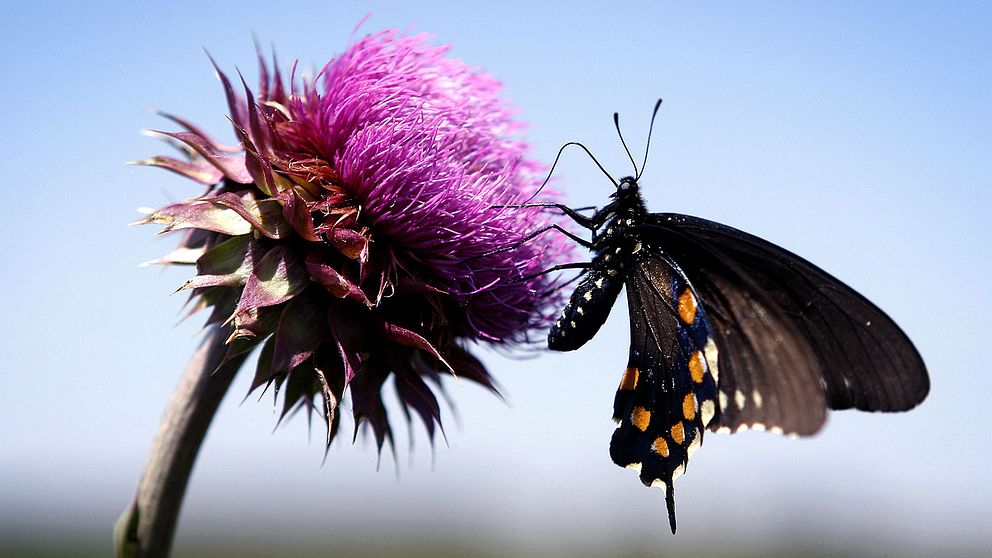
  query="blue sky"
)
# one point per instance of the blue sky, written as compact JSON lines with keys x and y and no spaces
{"x":857,"y":135}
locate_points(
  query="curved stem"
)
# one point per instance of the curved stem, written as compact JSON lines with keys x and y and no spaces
{"x":146,"y":528}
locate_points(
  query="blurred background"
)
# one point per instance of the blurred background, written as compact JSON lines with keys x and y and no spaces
{"x":857,"y":135}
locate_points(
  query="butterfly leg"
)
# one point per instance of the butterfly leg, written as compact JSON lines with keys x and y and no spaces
{"x":573,"y":214}
{"x":559,"y":267}
{"x":552,"y":291}
{"x":532,"y":236}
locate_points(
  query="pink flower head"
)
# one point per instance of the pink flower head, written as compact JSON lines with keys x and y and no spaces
{"x":361,"y":229}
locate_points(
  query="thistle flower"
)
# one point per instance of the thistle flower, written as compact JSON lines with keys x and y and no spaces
{"x":360,"y":229}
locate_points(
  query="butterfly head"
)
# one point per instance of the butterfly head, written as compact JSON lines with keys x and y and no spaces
{"x":627,"y":189}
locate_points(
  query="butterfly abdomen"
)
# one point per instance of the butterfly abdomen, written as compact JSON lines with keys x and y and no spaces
{"x":586,"y":310}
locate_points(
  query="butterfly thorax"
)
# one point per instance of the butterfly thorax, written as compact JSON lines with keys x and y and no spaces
{"x":615,"y":245}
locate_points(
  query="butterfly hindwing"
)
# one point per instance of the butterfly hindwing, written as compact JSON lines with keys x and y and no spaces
{"x":769,"y":375}
{"x":668,"y":393}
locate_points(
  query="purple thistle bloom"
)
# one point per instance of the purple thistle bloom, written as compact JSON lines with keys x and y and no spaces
{"x":352,"y":232}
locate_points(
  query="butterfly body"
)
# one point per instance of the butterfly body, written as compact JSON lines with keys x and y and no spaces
{"x":728,"y":332}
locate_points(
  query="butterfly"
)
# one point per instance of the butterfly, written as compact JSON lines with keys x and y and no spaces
{"x":727,"y":332}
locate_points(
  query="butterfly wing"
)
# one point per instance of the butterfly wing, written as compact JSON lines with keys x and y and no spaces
{"x":785,"y":327}
{"x":667,"y":395}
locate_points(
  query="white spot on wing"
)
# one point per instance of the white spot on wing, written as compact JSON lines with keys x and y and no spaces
{"x":742,"y":428}
{"x":587,"y":295}
{"x":658,"y":483}
{"x":707,"y":410}
{"x":635,"y":466}
{"x":723,"y":430}
{"x":739,"y":398}
{"x":678,"y":472}
{"x":723,"y":400}
{"x":776,"y":430}
{"x":759,"y":426}
{"x":612,"y":272}
{"x":711,"y":359}
{"x":756,"y":397}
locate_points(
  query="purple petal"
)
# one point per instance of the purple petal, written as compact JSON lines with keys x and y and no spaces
{"x":347,"y":338}
{"x":406,"y":337}
{"x":263,"y":369}
{"x":260,"y":133}
{"x":302,"y":328}
{"x":199,"y":214}
{"x":331,"y":402}
{"x":234,"y":255}
{"x":179,"y":256}
{"x":264,"y":215}
{"x":349,"y":243}
{"x":413,"y":392}
{"x":199,"y":170}
{"x":469,"y":367}
{"x":233,"y":167}
{"x":234,"y":103}
{"x":335,"y":283}
{"x":227,"y":264}
{"x":367,"y":405}
{"x":253,"y":322}
{"x":297,"y":214}
{"x":259,"y":166}
{"x":298,"y":391}
{"x":277,"y":277}
{"x":215,"y":145}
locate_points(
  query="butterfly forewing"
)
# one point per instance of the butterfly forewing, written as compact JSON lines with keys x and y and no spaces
{"x":667,"y":395}
{"x":860,"y":356}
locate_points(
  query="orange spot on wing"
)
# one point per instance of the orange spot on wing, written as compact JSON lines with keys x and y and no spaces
{"x":641,"y":417}
{"x":696,"y":367}
{"x":660,"y":446}
{"x":687,"y":306}
{"x":629,"y":380}
{"x":678,"y":434}
{"x":689,"y":406}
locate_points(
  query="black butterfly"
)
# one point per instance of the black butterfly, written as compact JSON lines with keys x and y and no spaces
{"x":728,"y":332}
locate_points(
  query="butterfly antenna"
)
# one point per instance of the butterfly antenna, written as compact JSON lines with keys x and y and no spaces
{"x":555,"y":164}
{"x":647,"y":148}
{"x":616,"y":123}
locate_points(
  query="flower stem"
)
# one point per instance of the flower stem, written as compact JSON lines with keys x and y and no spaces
{"x":146,"y":528}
